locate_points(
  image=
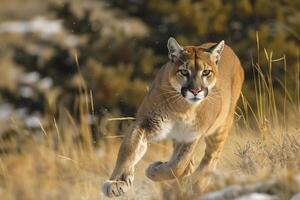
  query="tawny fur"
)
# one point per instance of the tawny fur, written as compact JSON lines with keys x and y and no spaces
{"x":164,"y":113}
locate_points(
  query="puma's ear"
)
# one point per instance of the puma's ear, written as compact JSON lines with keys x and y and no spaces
{"x":216,"y":51}
{"x":174,"y":48}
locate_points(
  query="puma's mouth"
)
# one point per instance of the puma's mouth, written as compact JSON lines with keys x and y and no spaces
{"x":195,"y":98}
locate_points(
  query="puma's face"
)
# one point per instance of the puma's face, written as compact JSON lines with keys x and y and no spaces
{"x":195,"y":70}
{"x":194,"y":79}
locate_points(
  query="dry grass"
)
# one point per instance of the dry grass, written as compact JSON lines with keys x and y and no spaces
{"x":61,"y":162}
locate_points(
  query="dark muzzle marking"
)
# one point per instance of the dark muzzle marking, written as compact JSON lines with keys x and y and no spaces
{"x":184,"y":91}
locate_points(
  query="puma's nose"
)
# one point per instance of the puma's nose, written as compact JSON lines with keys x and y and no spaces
{"x":195,"y":91}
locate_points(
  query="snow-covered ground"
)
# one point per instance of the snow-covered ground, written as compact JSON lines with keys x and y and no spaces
{"x":39,"y":25}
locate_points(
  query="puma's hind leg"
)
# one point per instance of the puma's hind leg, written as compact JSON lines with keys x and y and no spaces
{"x":214,"y":146}
{"x":180,"y":164}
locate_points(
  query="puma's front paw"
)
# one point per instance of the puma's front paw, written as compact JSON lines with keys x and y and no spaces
{"x":116,"y":188}
{"x":158,"y":171}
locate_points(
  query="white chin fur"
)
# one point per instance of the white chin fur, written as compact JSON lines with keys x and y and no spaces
{"x":192,"y":99}
{"x":193,"y":102}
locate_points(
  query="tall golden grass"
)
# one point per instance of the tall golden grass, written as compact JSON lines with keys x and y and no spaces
{"x":61,"y":161}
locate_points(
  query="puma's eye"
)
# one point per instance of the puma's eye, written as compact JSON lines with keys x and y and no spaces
{"x":206,"y":72}
{"x":184,"y":72}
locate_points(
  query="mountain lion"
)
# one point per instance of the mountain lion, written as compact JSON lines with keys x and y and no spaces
{"x":193,"y":96}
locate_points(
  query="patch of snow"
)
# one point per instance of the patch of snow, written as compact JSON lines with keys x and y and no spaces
{"x":296,"y":197}
{"x":92,"y":119}
{"x":71,"y":41}
{"x":32,"y":121}
{"x":46,"y":83}
{"x":37,"y":25}
{"x":5,"y":111}
{"x":26,"y":92}
{"x":30,"y":78}
{"x":22,"y":112}
{"x":257,"y":196}
{"x":232,"y":190}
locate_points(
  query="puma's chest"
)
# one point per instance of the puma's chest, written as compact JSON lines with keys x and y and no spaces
{"x":181,"y":131}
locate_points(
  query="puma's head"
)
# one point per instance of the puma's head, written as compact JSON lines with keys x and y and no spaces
{"x":195,"y":69}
